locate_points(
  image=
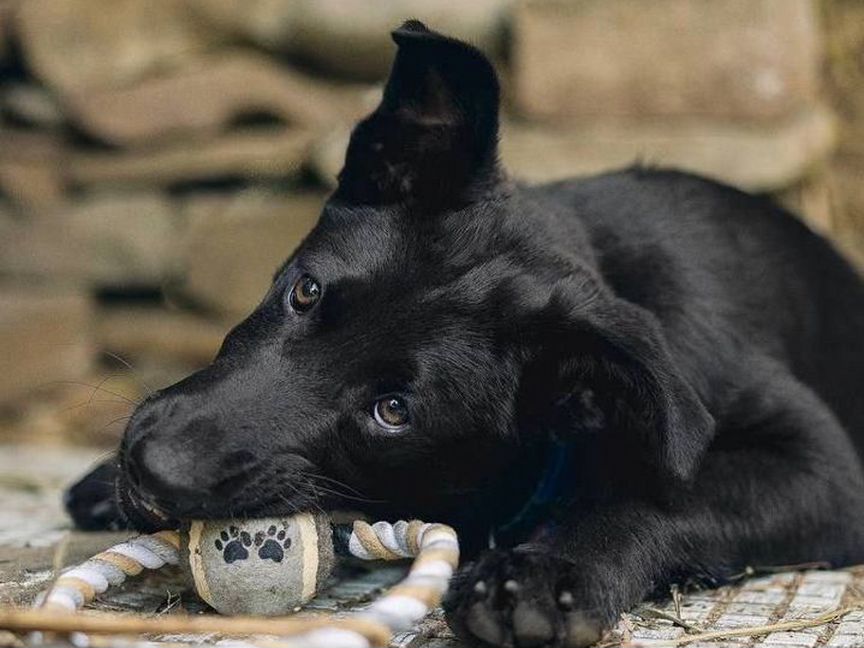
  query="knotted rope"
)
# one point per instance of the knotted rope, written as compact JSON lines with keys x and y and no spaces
{"x":434,"y":548}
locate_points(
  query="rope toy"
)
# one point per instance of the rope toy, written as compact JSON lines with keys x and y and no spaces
{"x":269,"y":566}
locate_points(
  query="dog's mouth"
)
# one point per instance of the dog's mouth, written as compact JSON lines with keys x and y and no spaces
{"x":147,"y":513}
{"x":142,"y":512}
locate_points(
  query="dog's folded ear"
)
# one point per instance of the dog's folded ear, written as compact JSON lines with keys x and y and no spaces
{"x":432,"y":141}
{"x":616,"y":351}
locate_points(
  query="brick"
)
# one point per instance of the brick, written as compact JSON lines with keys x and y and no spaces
{"x":846,"y":641}
{"x":44,"y":338}
{"x":830,"y":590}
{"x":806,"y":603}
{"x":828,"y":577}
{"x":738,"y":59}
{"x":771,"y":596}
{"x":790,"y":640}
{"x":850,"y":627}
{"x":731,"y":620}
{"x":657,"y":633}
{"x":750,"y":609}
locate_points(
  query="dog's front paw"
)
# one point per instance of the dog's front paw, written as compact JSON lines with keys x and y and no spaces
{"x":523,"y":600}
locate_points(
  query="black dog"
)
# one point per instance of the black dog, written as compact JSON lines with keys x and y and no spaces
{"x":624,"y":381}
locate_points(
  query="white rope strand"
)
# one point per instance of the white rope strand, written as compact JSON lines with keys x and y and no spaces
{"x":434,"y":547}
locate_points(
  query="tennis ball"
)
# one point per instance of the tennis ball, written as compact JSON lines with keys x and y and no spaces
{"x":262,"y":567}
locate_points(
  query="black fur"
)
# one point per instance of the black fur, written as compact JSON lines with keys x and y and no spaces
{"x":694,"y":352}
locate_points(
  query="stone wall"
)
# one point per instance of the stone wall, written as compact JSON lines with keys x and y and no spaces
{"x":160,"y":158}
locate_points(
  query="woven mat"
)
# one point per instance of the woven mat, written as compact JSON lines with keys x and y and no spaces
{"x":32,"y":526}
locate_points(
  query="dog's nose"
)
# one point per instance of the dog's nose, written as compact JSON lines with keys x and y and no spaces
{"x":155,"y":467}
{"x":177,"y":457}
{"x":162,"y":452}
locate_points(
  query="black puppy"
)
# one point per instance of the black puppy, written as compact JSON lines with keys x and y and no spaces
{"x":624,"y":381}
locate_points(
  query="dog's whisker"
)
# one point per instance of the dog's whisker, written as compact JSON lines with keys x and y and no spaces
{"x":311,"y":500}
{"x":98,"y":387}
{"x":355,"y":498}
{"x":291,"y":505}
{"x":134,"y":372}
{"x":115,"y":401}
{"x":112,"y":422}
{"x":335,"y":482}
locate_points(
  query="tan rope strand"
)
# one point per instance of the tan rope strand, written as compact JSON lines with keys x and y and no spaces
{"x":39,"y":619}
{"x":370,"y":541}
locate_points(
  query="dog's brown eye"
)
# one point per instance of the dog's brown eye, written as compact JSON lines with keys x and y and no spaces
{"x":304,"y":294}
{"x":391,"y":412}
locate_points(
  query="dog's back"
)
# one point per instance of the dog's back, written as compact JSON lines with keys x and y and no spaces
{"x":709,"y":260}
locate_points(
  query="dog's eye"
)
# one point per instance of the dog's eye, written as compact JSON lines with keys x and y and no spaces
{"x":391,"y":413}
{"x":305,"y":293}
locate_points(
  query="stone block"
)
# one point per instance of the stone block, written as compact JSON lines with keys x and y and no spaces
{"x":255,"y":153}
{"x":77,"y":45}
{"x":235,"y":245}
{"x":758,"y":158}
{"x":737,"y":59}
{"x":754,"y":158}
{"x":353,"y":38}
{"x":44,"y":338}
{"x":31,"y":169}
{"x":848,"y":216}
{"x":159,"y":334}
{"x":104,"y":239}
{"x":206,"y":95}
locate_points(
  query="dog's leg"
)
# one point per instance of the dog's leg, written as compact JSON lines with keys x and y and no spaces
{"x":92,"y":502}
{"x":783,"y":487}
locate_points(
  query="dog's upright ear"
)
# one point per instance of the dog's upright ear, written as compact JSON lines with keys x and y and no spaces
{"x":432,"y":142}
{"x":641,"y":405}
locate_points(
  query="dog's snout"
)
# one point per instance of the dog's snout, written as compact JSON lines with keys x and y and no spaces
{"x":154,"y":467}
{"x":154,"y":415}
{"x":162,"y":454}
{"x":179,"y":459}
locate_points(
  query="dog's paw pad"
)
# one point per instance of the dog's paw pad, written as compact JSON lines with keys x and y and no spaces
{"x":523,"y":600}
{"x":272,"y":544}
{"x":532,"y":627}
{"x":233,"y":544}
{"x":483,"y":625}
{"x":566,"y":601}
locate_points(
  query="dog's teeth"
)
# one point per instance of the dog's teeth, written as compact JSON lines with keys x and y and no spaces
{"x":511,"y":586}
{"x":480,"y":587}
{"x":565,"y":599}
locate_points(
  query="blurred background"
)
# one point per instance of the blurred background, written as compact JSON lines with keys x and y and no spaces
{"x":160,"y":158}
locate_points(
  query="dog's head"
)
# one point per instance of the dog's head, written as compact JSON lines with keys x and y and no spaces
{"x":426,"y":336}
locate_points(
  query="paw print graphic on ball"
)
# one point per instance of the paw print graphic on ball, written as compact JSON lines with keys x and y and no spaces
{"x":268,"y":570}
{"x":233,"y":544}
{"x":272,"y":543}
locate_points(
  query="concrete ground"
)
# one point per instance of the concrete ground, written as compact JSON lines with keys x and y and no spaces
{"x":803,"y":609}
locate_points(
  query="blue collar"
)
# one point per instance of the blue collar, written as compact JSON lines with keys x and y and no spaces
{"x":548,"y":493}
